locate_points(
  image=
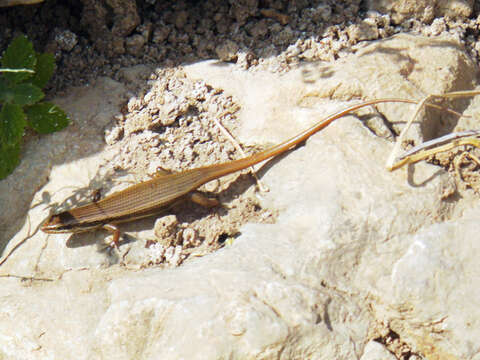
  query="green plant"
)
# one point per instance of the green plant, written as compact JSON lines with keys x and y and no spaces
{"x":22,"y":76}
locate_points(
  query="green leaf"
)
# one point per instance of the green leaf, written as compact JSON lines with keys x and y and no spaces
{"x":5,"y":92}
{"x":9,"y":159}
{"x":12,"y":124}
{"x":26,"y":94}
{"x":46,"y":117}
{"x":21,"y":94}
{"x":44,"y":69}
{"x":19,"y":55}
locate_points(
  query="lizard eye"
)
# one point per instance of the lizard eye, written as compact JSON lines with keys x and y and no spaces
{"x":51,"y":223}
{"x":54,"y":220}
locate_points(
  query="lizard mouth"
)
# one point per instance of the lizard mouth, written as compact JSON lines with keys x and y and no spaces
{"x":65,"y":222}
{"x":56,"y":224}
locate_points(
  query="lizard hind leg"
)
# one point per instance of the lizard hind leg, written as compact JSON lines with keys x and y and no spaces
{"x":116,"y":235}
{"x":198,"y":198}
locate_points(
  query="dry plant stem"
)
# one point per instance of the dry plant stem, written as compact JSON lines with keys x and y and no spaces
{"x":448,"y":142}
{"x":440,"y":141}
{"x":23,"y":278}
{"x":16,"y":70}
{"x":473,"y":157}
{"x":398,"y":143}
{"x":237,"y":146}
{"x":457,"y":162}
{"x":456,"y":165}
{"x":23,"y":241}
{"x":451,"y":95}
{"x":458,"y":94}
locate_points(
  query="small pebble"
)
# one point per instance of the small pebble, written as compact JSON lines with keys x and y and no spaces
{"x":134,"y":44}
{"x":165,"y":229}
{"x":66,"y":40}
{"x":227,"y":51}
{"x":190,"y":238}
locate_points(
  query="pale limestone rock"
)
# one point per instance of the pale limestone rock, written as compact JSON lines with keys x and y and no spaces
{"x":362,"y":31}
{"x":353,"y":246}
{"x":425,"y":10}
{"x":472,"y":120}
{"x":430,"y":292}
{"x":376,"y":351}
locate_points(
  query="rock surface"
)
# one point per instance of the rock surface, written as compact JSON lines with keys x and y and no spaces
{"x":425,"y":10}
{"x":356,"y":254}
{"x":375,"y":351}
